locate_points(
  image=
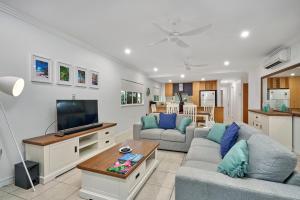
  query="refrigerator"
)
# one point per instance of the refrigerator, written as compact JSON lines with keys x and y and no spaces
{"x":208,"y":98}
{"x":278,"y":97}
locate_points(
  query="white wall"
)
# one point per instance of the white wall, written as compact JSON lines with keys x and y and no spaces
{"x":255,"y":74}
{"x":34,"y":110}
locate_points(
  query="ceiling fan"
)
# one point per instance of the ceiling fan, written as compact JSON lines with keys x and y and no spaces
{"x":188,"y":66}
{"x":175,"y":36}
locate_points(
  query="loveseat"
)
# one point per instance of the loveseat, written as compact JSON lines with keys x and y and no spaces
{"x":169,"y":139}
{"x":198,"y":179}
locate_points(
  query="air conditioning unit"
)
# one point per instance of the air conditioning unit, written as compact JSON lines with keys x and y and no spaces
{"x":278,"y":57}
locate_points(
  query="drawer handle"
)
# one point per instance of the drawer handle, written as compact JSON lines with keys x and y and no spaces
{"x":107,"y":141}
{"x":136,"y":176}
{"x":106,"y":133}
{"x":75,"y":149}
{"x":256,"y":117}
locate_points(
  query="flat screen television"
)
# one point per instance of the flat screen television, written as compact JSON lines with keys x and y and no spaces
{"x":76,"y":113}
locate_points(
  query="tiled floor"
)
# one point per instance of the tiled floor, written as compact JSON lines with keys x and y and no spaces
{"x":160,"y":186}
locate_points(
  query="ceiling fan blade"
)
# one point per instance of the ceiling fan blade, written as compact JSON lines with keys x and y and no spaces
{"x":196,"y":31}
{"x":162,"y":29}
{"x":158,"y":42}
{"x":181,"y":43}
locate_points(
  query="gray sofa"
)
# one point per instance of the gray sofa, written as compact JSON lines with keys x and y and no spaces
{"x":170,"y":139}
{"x":198,"y":179}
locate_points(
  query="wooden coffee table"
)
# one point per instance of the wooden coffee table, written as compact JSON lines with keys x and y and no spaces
{"x":100,"y":184}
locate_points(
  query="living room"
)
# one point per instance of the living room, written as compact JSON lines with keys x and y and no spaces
{"x":167,"y":80}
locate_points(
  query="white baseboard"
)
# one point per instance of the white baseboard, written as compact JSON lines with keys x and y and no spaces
{"x":6,"y":181}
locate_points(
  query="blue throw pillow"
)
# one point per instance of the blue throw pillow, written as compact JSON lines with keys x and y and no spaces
{"x":167,"y":121}
{"x":229,"y":138}
{"x":236,"y":161}
{"x":185,"y":122}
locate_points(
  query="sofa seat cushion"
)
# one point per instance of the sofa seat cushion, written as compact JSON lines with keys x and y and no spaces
{"x":205,"y":143}
{"x":203,"y":153}
{"x":269,"y":160}
{"x":152,"y":134}
{"x":172,"y":135}
{"x":201,"y":165}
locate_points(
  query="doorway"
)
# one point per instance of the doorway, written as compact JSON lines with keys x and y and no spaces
{"x":245,"y":103}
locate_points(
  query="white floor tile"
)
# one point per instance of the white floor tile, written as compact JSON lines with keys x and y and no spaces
{"x":59,"y":192}
{"x":154,"y":192}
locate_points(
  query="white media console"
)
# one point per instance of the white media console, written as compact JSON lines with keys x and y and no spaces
{"x":57,"y":155}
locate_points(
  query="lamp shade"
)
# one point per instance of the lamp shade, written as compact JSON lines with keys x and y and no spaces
{"x":12,"y":85}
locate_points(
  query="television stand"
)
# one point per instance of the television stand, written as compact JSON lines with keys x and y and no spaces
{"x":77,"y":129}
{"x":57,"y":155}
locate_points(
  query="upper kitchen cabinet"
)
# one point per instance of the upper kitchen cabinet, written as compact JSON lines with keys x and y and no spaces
{"x":210,"y":85}
{"x":169,"y":89}
{"x":186,"y":88}
{"x":278,"y":83}
{"x":295,"y":92}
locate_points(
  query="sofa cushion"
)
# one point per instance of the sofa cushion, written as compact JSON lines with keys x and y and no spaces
{"x":172,"y":135}
{"x":247,"y":131}
{"x":204,"y":142}
{"x":152,"y":134}
{"x":149,"y":122}
{"x":269,"y":160}
{"x":235,"y":162}
{"x":203,"y":153}
{"x":229,"y":138}
{"x":216,"y":132}
{"x":167,"y":121}
{"x":185,"y":122}
{"x":294,"y":179}
{"x":201,"y":165}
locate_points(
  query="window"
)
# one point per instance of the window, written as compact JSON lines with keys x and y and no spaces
{"x":131,"y":98}
{"x":156,"y":98}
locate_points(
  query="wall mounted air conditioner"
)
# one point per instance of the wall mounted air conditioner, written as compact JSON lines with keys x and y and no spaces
{"x":278,"y":57}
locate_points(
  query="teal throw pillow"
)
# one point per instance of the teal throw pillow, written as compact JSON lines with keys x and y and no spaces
{"x":185,"y":122}
{"x":235,"y":162}
{"x":149,"y":122}
{"x":216,"y":132}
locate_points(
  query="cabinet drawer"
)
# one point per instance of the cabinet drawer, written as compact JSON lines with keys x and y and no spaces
{"x":105,"y":142}
{"x":136,"y":176}
{"x":106,"y":133}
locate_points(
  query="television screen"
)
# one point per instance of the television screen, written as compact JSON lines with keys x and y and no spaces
{"x":76,"y":113}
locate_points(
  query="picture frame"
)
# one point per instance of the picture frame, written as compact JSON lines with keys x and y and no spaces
{"x":81,"y":77}
{"x":94,"y":79}
{"x":41,"y":69}
{"x":64,"y":74}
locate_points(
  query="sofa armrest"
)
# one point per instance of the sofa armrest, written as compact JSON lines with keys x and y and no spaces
{"x":189,"y":134}
{"x":137,"y":130}
{"x":201,"y":132}
{"x":198,"y":184}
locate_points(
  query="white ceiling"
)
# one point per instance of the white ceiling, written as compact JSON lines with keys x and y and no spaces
{"x":112,"y":25}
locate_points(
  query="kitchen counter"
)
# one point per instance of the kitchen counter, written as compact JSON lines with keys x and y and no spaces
{"x":277,"y":113}
{"x":271,"y":113}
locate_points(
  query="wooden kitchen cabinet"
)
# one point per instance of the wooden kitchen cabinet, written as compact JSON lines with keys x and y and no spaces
{"x":210,"y":85}
{"x":278,"y":83}
{"x":169,"y":89}
{"x":294,"y":83}
{"x":196,"y":89}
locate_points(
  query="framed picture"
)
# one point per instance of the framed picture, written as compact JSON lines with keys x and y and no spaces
{"x":41,"y":69}
{"x":64,"y":73}
{"x":94,"y":79}
{"x":81,"y":77}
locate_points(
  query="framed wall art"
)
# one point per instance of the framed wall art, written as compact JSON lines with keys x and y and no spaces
{"x":64,"y":74}
{"x":41,"y":69}
{"x":80,"y":77}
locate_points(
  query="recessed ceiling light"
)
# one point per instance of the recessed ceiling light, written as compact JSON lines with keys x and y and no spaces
{"x":202,"y":79}
{"x":170,"y":81}
{"x":226,"y":63}
{"x":127,"y":51}
{"x":181,"y":75}
{"x":245,"y":34}
{"x":292,"y":74}
{"x":155,"y":69}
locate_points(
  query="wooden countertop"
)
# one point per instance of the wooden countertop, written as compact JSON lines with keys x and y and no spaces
{"x":51,"y":138}
{"x":102,"y":161}
{"x":271,"y":113}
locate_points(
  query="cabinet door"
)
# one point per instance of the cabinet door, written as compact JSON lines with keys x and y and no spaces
{"x":63,"y":153}
{"x":294,"y":84}
{"x":169,"y":89}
